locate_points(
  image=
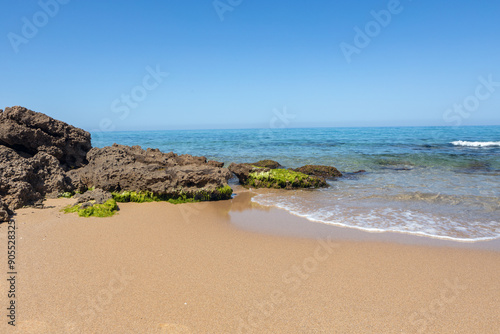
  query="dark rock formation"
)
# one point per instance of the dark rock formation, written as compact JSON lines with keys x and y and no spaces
{"x":167,"y":175}
{"x":256,"y":177}
{"x":35,"y":151}
{"x":29,"y":132}
{"x":319,"y":170}
{"x":266,"y":164}
{"x":42,"y":157}
{"x":26,"y":181}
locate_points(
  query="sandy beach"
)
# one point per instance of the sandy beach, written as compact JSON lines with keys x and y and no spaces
{"x":191,"y":268}
{"x":227,"y":167}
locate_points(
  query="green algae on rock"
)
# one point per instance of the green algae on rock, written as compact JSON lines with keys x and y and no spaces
{"x":262,"y":177}
{"x":220,"y":193}
{"x":107,"y":209}
{"x":283,"y":178}
{"x":67,"y":194}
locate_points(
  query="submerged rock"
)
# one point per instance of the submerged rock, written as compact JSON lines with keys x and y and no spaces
{"x":154,"y":174}
{"x":319,"y":170}
{"x":29,"y":133}
{"x":266,"y":164}
{"x":256,"y":177}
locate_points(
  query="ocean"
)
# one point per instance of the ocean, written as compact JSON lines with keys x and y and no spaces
{"x":440,"y":182}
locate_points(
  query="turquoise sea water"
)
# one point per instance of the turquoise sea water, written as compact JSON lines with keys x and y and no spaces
{"x":437,"y":181}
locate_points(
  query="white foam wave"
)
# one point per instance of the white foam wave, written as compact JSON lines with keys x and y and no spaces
{"x":399,"y":221}
{"x":476,"y":143}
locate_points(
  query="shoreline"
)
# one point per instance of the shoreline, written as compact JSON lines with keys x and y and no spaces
{"x":285,"y":223}
{"x":191,"y":268}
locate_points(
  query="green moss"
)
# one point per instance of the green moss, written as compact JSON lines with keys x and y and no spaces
{"x":66,"y":194}
{"x":97,"y":210}
{"x":71,"y":209}
{"x":283,"y":178}
{"x":182,"y":199}
{"x":147,"y":196}
{"x":100,"y":210}
{"x":178,"y":198}
{"x":225,"y":192}
{"x":136,"y":197}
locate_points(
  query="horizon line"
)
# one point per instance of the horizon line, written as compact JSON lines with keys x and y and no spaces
{"x":300,"y":127}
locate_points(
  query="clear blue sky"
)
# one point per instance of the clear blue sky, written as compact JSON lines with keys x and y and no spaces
{"x":264,"y":55}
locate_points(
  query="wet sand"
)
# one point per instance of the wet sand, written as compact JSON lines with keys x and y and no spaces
{"x":232,"y":266}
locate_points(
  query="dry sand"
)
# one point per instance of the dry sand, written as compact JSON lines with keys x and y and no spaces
{"x":197,"y":268}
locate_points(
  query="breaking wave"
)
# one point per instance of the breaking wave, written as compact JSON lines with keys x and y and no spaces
{"x":476,"y":143}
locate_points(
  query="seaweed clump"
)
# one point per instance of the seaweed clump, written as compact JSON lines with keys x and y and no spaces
{"x":107,"y":209}
{"x":179,"y":197}
{"x":283,"y":178}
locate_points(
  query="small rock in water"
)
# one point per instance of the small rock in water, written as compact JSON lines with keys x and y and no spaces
{"x":319,"y":170}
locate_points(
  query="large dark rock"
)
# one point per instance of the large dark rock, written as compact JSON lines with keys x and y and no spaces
{"x":41,"y":157}
{"x":319,"y":170}
{"x":29,"y":132}
{"x":123,"y":168}
{"x":35,"y":152}
{"x":26,"y":181}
